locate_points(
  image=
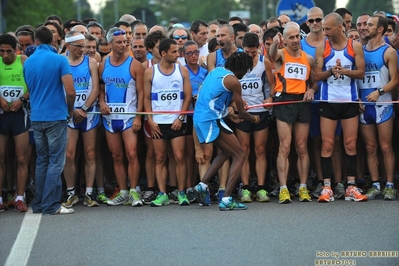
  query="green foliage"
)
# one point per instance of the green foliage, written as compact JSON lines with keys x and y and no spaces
{"x":358,"y":7}
{"x":326,"y":6}
{"x":34,"y":12}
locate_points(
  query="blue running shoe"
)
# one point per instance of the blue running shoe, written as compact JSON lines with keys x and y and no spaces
{"x":231,"y":205}
{"x":202,"y":196}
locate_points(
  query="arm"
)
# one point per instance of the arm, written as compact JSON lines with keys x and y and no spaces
{"x":95,"y":83}
{"x":137,"y":71}
{"x":232,"y":84}
{"x":309,"y":94}
{"x":211,"y":61}
{"x":155,"y":131}
{"x":101,"y":97}
{"x":67,"y":81}
{"x":18,"y":103}
{"x":391,"y":59}
{"x":271,"y":80}
{"x":357,"y":73}
{"x":187,"y":91}
{"x":319,"y":74}
{"x":274,"y":52}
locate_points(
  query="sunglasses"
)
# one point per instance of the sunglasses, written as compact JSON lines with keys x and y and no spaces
{"x":80,"y":46}
{"x":196,"y":52}
{"x":318,"y":20}
{"x":119,"y":32}
{"x":183,"y":37}
{"x":96,"y":24}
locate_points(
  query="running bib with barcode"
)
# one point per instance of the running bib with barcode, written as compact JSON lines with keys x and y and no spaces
{"x":117,"y":110}
{"x":81,"y":97}
{"x":168,"y":98}
{"x":11,"y":93}
{"x":295,"y":71}
{"x":371,"y":80}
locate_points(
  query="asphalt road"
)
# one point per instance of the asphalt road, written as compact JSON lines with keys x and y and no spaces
{"x":265,"y":234}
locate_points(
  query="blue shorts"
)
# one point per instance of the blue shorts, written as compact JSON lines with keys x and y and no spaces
{"x":207,"y":132}
{"x":87,"y":124}
{"x":376,"y":114}
{"x":314,"y":130}
{"x":117,"y":125}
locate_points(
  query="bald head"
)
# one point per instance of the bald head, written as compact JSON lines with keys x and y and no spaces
{"x":315,"y":11}
{"x":127,"y":18}
{"x":291,"y":28}
{"x":334,"y":18}
{"x":80,"y":28}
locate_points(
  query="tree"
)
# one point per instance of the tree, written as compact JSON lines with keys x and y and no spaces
{"x":326,"y":6}
{"x":358,"y":7}
{"x":34,"y":12}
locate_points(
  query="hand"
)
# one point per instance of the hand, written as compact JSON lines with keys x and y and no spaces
{"x":177,"y":124}
{"x":308,"y":96}
{"x":231,"y":110}
{"x":4,"y":105}
{"x":235,"y":118}
{"x":361,"y":106}
{"x":78,"y":115}
{"x":155,"y":131}
{"x":104,"y":109}
{"x":245,"y":104}
{"x":199,"y":156}
{"x":136,"y":123}
{"x":268,"y":101}
{"x":373,"y":97}
{"x":16,"y":105}
{"x":278,"y":39}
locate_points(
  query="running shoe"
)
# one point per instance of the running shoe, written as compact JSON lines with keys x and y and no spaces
{"x":202,"y":195}
{"x":339,"y":191}
{"x":220,"y":195}
{"x":304,"y":195}
{"x":353,"y":194}
{"x":20,"y":206}
{"x":161,"y":200}
{"x":231,"y":205}
{"x":389,"y":194}
{"x":284,"y":196}
{"x":374,"y":193}
{"x":317,"y":191}
{"x":102,"y":198}
{"x":173,"y":196}
{"x":190,"y":195}
{"x":261,"y":196}
{"x":326,"y":195}
{"x":135,"y":198}
{"x":71,"y":200}
{"x":89,"y":200}
{"x":183,"y":200}
{"x":245,"y":195}
{"x":148,"y":196}
{"x":63,"y":210}
{"x":118,"y":200}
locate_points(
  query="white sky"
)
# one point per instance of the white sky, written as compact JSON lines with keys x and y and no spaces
{"x":95,"y":4}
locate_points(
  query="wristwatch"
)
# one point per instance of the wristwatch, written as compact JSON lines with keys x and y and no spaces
{"x":23,"y":100}
{"x":381,"y":91}
{"x":85,"y":108}
{"x":181,"y":118}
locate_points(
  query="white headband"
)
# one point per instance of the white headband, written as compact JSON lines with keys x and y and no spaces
{"x":75,"y":38}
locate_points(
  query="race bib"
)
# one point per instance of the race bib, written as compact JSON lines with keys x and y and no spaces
{"x":295,"y":71}
{"x":342,"y":80}
{"x":169,"y":98}
{"x":11,"y":93}
{"x":249,"y":85}
{"x":81,"y":97}
{"x":117,"y":110}
{"x":371,"y":80}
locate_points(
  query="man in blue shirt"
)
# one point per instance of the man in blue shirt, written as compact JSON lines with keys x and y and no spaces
{"x":52,"y":95}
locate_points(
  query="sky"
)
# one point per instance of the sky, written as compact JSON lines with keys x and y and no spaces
{"x":95,"y":4}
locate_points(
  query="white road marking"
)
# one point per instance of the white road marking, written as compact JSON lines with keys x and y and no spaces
{"x":20,"y":251}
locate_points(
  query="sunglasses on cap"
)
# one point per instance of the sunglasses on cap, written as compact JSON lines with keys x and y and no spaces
{"x":318,"y":20}
{"x":119,"y":32}
{"x":177,"y":37}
